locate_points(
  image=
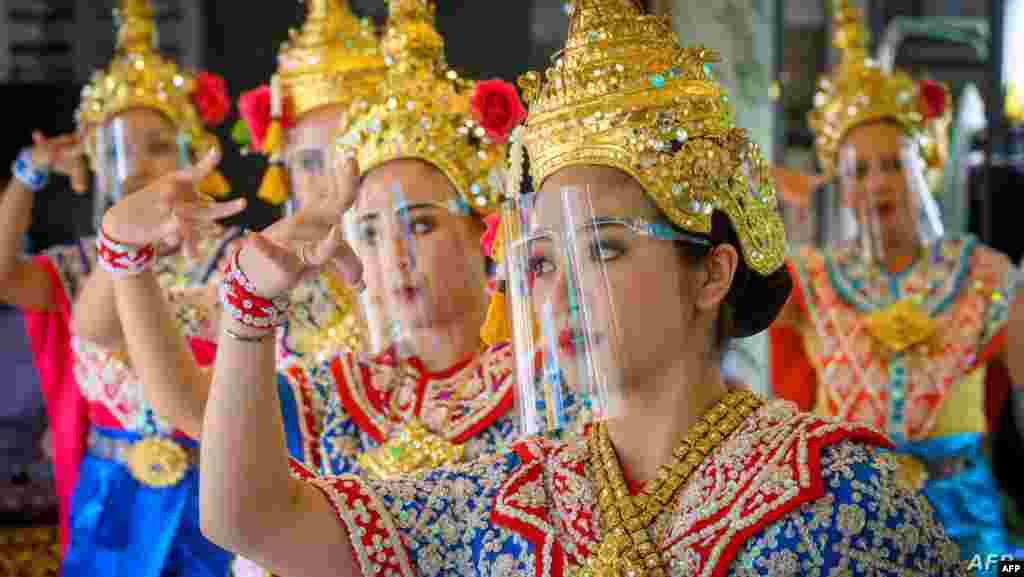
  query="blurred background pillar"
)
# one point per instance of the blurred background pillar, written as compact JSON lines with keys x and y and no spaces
{"x":748,"y":35}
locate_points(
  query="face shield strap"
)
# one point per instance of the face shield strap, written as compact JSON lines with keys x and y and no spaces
{"x":120,"y":155}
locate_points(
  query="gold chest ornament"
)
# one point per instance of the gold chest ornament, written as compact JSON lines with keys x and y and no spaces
{"x":900,"y":326}
{"x":626,"y":548}
{"x":415,"y":448}
{"x":157,"y":462}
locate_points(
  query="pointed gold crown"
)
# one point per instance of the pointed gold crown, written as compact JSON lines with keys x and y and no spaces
{"x":624,"y":94}
{"x":423,"y":111}
{"x":333,"y":59}
{"x":859,"y":91}
{"x":140,"y":77}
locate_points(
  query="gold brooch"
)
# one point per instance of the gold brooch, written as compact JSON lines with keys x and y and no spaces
{"x":900,"y":326}
{"x":414,"y":449}
{"x":157,"y":462}
{"x":911,"y":473}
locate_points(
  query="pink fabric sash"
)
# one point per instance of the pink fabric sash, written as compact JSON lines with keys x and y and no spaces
{"x":50,"y":339}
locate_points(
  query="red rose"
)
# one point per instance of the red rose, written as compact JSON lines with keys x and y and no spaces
{"x":497,"y":108}
{"x":254,"y":108}
{"x":487,"y":240}
{"x":933,"y":99}
{"x":211,"y":98}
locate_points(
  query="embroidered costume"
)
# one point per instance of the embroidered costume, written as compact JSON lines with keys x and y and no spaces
{"x":907,"y":352}
{"x":753,"y":488}
{"x":333,"y":60}
{"x":387,"y":414}
{"x":127,"y":483}
{"x":99,"y":423}
{"x":787,"y":494}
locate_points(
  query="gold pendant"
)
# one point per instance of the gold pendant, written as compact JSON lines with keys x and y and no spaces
{"x":157,"y":462}
{"x":414,"y":449}
{"x":911,"y":472}
{"x":608,"y":560}
{"x":900,"y":326}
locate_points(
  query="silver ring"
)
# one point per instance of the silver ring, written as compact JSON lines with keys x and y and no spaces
{"x":302,"y":254}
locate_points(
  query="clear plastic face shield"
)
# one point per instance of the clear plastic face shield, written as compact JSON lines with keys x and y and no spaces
{"x":309,"y":158}
{"x":424,"y":271}
{"x":884,"y":207}
{"x":569,"y":286}
{"x":132,"y":150}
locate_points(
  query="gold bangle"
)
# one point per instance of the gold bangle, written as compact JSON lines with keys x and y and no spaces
{"x":248,"y":339}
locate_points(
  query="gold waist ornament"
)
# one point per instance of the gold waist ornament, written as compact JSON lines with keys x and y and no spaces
{"x":157,"y":462}
{"x":413,"y":449}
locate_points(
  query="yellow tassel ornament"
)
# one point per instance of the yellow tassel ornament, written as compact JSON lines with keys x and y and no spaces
{"x":274,"y":141}
{"x":496,"y":328}
{"x":274,"y":189}
{"x":215,"y":185}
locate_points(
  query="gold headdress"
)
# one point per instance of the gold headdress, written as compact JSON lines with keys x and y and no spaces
{"x":334,"y":59}
{"x":860,"y":91}
{"x":624,"y":94}
{"x":425,"y":111}
{"x":140,"y":77}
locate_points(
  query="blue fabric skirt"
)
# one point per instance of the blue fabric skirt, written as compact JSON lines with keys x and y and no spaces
{"x":120,"y":527}
{"x":967,"y":502}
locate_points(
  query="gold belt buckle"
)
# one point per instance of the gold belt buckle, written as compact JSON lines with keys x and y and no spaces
{"x":157,"y":462}
{"x":414,"y":449}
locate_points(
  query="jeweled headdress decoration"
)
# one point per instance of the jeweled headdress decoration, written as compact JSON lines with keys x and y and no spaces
{"x":425,"y":111}
{"x":624,"y":94}
{"x":334,"y":59}
{"x":140,"y":77}
{"x":859,"y":91}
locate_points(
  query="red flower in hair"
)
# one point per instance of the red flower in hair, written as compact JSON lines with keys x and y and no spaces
{"x":211,"y":98}
{"x":487,"y":240}
{"x":254,"y":108}
{"x":497,"y":108}
{"x":933,"y":99}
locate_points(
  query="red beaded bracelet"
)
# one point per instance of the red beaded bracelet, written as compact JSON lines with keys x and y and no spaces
{"x":238,"y":296}
{"x":122,"y":259}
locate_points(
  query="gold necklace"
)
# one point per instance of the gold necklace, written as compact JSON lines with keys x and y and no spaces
{"x":904,"y":323}
{"x":626,"y":549}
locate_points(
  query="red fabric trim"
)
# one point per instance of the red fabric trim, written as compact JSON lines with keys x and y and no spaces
{"x":997,"y":378}
{"x":417,"y":364}
{"x":996,"y":344}
{"x":303,"y":474}
{"x":304,"y":395}
{"x":367,"y":424}
{"x":49,"y":335}
{"x":360,"y":418}
{"x":530,"y":470}
{"x":793,"y":376}
{"x":481,"y":425}
{"x":797,"y":294}
{"x":815,"y":491}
